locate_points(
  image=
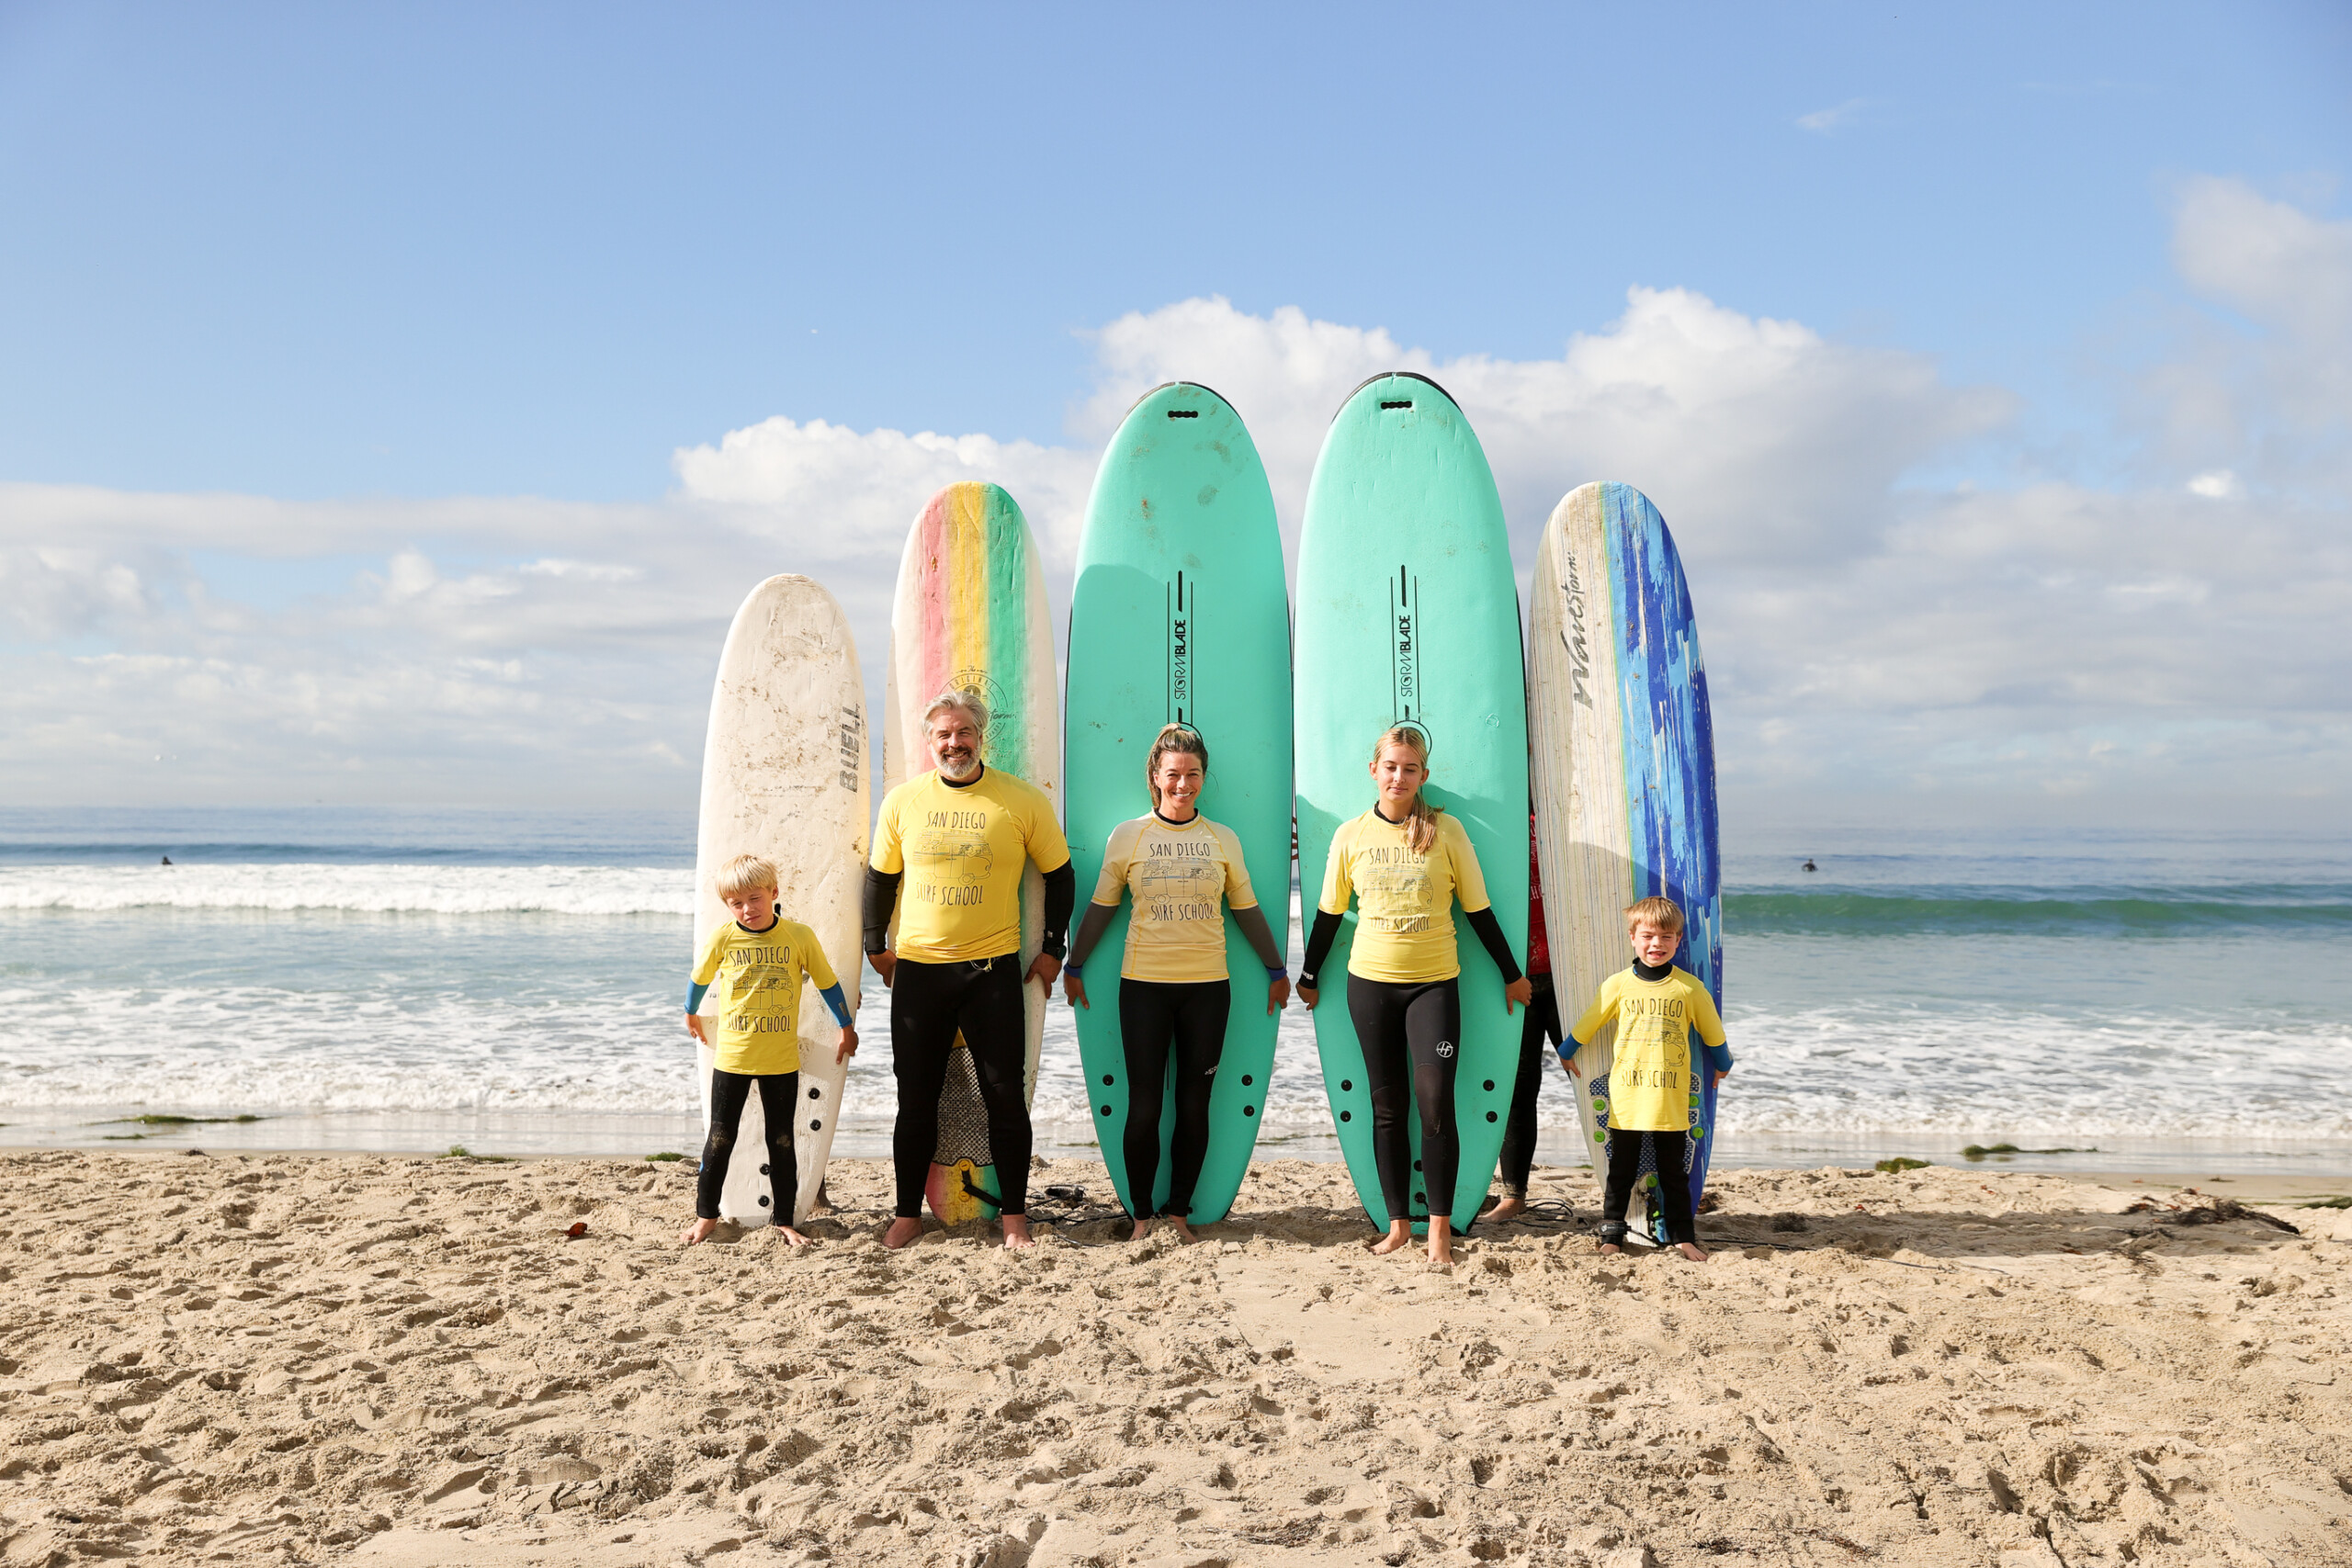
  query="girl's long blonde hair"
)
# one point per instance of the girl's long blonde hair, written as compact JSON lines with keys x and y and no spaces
{"x":1421,"y":819}
{"x":1178,"y":738}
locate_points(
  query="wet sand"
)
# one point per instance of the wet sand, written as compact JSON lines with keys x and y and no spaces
{"x":395,"y":1361}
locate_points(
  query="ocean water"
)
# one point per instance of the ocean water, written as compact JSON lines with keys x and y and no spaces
{"x":412,"y":980}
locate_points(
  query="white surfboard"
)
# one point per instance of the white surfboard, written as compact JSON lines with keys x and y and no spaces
{"x":784,"y":775}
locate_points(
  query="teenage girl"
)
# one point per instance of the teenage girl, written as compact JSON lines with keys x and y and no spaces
{"x":1185,"y":871}
{"x":1406,"y":863}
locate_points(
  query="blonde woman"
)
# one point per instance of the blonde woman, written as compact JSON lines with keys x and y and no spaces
{"x":1407,"y":864}
{"x":1183,"y":872}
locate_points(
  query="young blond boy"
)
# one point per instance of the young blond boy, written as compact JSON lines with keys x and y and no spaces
{"x":1657,"y":1007}
{"x":757,"y":960}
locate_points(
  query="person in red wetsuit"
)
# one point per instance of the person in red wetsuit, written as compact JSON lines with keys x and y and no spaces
{"x":1542,"y":1028}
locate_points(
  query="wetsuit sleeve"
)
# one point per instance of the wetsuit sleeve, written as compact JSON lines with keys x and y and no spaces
{"x":1708,"y":1025}
{"x":881,"y":896}
{"x":1490,"y":937}
{"x":837,"y":1003}
{"x":1097,"y":920}
{"x":1061,"y":898}
{"x":1718,"y":1057}
{"x":1252,"y":922}
{"x":1318,"y":947}
{"x":694,"y":994}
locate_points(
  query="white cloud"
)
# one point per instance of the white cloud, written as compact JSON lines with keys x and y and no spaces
{"x":1825,"y":121}
{"x":2041,"y":639}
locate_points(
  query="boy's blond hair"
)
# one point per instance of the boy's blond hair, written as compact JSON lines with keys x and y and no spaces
{"x":743,"y":873}
{"x":1663,"y":913}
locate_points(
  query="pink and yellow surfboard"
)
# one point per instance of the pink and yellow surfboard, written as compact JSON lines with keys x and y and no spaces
{"x":970,"y":614}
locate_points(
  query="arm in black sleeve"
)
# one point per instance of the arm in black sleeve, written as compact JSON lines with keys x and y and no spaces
{"x":1061,"y":898}
{"x":1490,"y":937}
{"x":1318,"y":947}
{"x":1252,"y":922}
{"x":874,"y":908}
{"x":1089,"y":931}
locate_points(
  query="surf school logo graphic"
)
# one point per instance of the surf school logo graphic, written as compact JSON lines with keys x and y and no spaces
{"x":1572,"y":634}
{"x":952,"y":850}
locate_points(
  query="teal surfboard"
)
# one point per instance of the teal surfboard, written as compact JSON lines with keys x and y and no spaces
{"x":1408,"y":613}
{"x":1180,"y":615}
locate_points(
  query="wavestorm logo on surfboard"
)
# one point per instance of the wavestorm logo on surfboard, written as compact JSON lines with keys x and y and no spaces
{"x":1572,"y":634}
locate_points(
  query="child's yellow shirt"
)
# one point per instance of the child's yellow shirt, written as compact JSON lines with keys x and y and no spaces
{"x":1650,"y":1088}
{"x":756,"y":977}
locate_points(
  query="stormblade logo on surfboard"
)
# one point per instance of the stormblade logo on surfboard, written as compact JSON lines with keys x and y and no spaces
{"x":1182,"y":604}
{"x":1404,"y":638}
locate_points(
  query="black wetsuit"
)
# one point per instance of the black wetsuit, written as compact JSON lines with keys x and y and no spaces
{"x":778,"y":1094}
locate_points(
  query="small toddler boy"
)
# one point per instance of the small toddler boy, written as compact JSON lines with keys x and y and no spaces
{"x":762,"y":956}
{"x":1657,"y":1007}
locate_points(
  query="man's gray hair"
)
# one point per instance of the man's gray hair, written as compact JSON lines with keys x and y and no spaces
{"x":970,"y":702}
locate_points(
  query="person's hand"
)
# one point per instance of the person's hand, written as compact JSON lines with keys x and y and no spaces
{"x":1277,"y":994}
{"x":1307,"y":995}
{"x":1045,"y":967}
{"x":848,"y":1046}
{"x":885,"y":963}
{"x":697,"y":1028}
{"x":1520,"y":991}
{"x":1720,"y":1077}
{"x":1568,"y":1065}
{"x":1074,"y":990}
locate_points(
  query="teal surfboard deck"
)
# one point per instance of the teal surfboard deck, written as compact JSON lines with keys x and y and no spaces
{"x":1409,"y":612}
{"x":1179,"y":615}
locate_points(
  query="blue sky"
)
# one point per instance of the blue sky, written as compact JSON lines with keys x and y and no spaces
{"x":287,"y":291}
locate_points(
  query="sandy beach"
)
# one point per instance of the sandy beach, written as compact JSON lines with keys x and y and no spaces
{"x":392,"y":1360}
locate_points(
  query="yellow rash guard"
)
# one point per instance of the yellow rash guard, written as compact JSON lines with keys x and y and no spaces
{"x":758,"y":977}
{"x":1649,"y":1084}
{"x":1404,"y":898}
{"x":1182,"y":876}
{"x":963,"y":851}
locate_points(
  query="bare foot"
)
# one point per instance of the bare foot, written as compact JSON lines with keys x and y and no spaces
{"x":1016,"y":1232}
{"x":1143,"y":1229}
{"x":824,"y":1201}
{"x":697,"y":1232}
{"x":1441,"y":1240}
{"x":1508,"y":1208}
{"x":902,"y":1232}
{"x":1401,"y":1234}
{"x":1611,"y":1249}
{"x":791,"y":1238}
{"x":1694,"y":1252}
{"x":1176,"y":1223}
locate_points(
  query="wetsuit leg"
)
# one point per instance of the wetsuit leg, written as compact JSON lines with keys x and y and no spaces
{"x":1433,"y":1035}
{"x":989,"y":1010}
{"x":1540,"y":1025}
{"x":727,"y":1092}
{"x":778,"y":1094}
{"x":1674,"y":1185}
{"x":922,"y":1031}
{"x":1378,"y":1009}
{"x":1146,"y":1024}
{"x":1624,"y":1167}
{"x":1200,"y":1013}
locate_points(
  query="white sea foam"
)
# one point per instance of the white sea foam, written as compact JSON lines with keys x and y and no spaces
{"x":373,"y":889}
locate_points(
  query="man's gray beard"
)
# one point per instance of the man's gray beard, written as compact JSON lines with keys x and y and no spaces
{"x":970,"y":770}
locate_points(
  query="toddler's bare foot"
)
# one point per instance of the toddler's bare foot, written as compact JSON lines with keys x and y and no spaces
{"x":902,"y":1232}
{"x":1399,"y":1234}
{"x":791,"y":1238}
{"x":1694,"y":1252}
{"x":699,"y":1231}
{"x":1508,"y":1208}
{"x":1016,"y":1232}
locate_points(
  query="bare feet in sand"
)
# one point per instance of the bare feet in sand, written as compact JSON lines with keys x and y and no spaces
{"x":1016,"y":1232}
{"x":1441,"y":1239}
{"x":824,"y":1201}
{"x":699,"y":1231}
{"x":1694,"y":1252}
{"x":1400,"y":1234}
{"x":790,"y":1238}
{"x":1176,"y":1223}
{"x":1506,"y":1208}
{"x":902,"y":1232}
{"x":1611,"y":1249}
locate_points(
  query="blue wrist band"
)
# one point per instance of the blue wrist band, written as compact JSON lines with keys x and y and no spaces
{"x":1073,"y":969}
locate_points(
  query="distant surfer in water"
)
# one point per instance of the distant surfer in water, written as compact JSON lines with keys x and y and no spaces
{"x":757,"y":962}
{"x":1185,"y":871}
{"x":1809,"y":865}
{"x":1657,"y":1007}
{"x":959,"y":837}
{"x":1406,"y":863}
{"x":1542,"y":1024}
